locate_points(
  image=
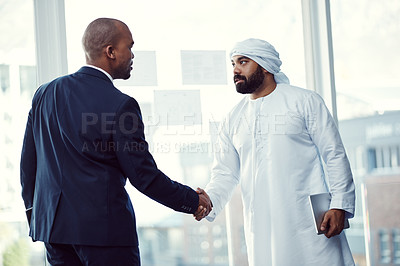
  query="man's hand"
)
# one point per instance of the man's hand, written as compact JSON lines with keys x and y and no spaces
{"x":205,"y":205}
{"x":333,"y":222}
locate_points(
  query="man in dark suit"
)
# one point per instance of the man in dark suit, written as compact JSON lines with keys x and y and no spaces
{"x":83,"y":139}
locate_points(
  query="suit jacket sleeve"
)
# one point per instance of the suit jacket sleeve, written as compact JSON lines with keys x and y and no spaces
{"x":28,"y":165}
{"x":139,"y":166}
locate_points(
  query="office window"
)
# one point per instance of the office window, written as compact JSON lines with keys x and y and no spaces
{"x":384,"y":246}
{"x":144,"y":70}
{"x":395,"y":159}
{"x":359,"y":160}
{"x":368,"y":95}
{"x":178,"y":107}
{"x":4,"y":77}
{"x":396,"y":246}
{"x":363,"y":73}
{"x":17,"y":76}
{"x":27,"y":79}
{"x":379,"y":157}
{"x":371,"y":154}
{"x":203,"y":67}
{"x":387,"y":162}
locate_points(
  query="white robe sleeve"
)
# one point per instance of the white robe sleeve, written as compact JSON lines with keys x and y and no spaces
{"x":225,"y":172}
{"x":325,"y":135}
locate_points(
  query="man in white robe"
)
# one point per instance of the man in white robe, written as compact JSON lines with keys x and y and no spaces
{"x":273,"y":142}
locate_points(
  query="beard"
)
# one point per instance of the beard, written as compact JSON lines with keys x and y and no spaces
{"x":126,"y":73}
{"x":123,"y":71}
{"x":251,"y":84}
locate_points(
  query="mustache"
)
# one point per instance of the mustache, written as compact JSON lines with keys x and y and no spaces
{"x":238,"y":77}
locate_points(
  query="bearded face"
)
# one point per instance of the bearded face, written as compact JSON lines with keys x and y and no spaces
{"x":250,"y":84}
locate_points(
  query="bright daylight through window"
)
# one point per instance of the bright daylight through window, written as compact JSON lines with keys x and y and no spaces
{"x":182,"y":79}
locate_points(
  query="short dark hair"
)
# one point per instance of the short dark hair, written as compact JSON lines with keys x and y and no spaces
{"x":100,"y":33}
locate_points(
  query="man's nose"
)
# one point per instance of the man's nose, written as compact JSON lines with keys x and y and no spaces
{"x":236,"y":70}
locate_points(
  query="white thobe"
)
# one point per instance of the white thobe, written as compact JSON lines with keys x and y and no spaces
{"x":274,"y":146}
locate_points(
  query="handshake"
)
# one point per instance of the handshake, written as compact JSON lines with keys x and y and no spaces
{"x":205,"y":205}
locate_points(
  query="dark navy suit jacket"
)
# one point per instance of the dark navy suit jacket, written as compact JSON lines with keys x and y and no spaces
{"x":83,"y":139}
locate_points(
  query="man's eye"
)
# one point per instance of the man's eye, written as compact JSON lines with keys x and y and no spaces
{"x":242,"y":62}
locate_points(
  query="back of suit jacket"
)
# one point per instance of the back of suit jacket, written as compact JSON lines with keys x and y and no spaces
{"x":83,"y":139}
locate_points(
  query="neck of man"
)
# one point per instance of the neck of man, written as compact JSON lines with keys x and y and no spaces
{"x":267,"y":87}
{"x":101,"y":63}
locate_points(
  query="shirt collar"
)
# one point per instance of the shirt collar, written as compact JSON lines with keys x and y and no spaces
{"x":102,"y":70}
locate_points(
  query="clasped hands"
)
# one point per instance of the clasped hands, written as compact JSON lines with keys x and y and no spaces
{"x":205,"y":205}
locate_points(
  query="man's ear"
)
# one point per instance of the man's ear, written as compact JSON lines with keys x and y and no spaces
{"x":110,"y":52}
{"x":267,"y":73}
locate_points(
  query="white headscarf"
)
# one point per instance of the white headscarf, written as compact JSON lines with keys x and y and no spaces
{"x":264,"y":54}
